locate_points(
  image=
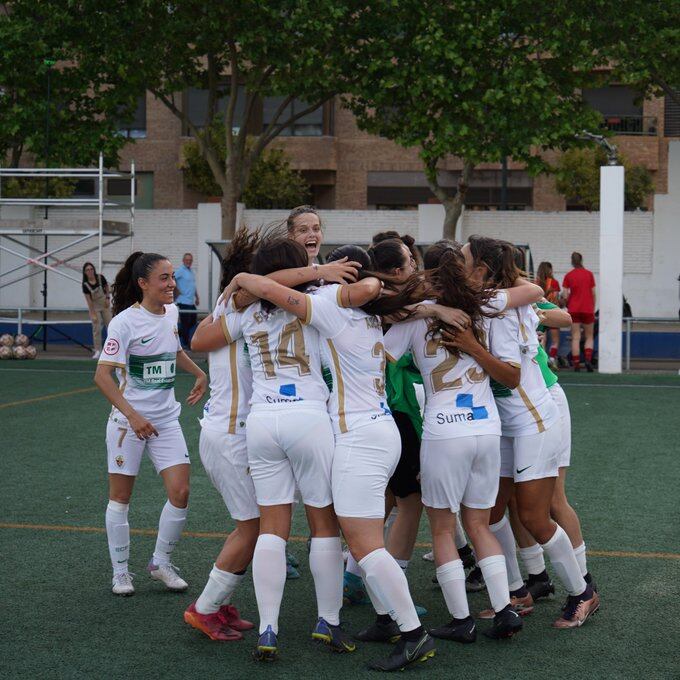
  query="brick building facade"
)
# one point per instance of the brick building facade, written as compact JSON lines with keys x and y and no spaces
{"x":352,"y":170}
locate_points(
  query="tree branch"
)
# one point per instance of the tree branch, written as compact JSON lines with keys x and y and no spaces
{"x":233,"y":95}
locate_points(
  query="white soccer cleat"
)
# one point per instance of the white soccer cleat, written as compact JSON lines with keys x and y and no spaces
{"x":429,"y":557}
{"x":167,"y":573}
{"x":122,"y":584}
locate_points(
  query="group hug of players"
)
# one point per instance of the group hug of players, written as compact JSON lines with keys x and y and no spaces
{"x":312,"y":371}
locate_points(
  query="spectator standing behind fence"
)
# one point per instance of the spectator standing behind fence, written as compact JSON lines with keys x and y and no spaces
{"x":545,"y":279}
{"x":579,"y":292}
{"x":186,"y":297}
{"x":98,"y":298}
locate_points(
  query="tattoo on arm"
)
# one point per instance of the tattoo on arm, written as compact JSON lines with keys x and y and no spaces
{"x":293,"y":301}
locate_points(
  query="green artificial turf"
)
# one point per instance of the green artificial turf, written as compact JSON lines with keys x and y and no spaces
{"x":61,"y":621}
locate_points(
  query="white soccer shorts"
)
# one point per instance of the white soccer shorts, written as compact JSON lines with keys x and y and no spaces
{"x":532,"y":456}
{"x":560,"y":399}
{"x":225,"y":459}
{"x":460,"y":471}
{"x":363,"y":462}
{"x":289,"y":446}
{"x":125,"y":449}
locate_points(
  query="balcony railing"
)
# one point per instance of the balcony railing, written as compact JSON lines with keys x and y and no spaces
{"x":631,"y":125}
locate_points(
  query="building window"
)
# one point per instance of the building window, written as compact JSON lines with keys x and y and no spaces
{"x":310,"y":125}
{"x":406,"y":190}
{"x":136,"y":127}
{"x":621,"y":108}
{"x":671,"y":125}
{"x":196,"y":107}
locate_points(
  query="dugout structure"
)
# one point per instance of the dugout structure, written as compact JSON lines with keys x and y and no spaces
{"x":16,"y":234}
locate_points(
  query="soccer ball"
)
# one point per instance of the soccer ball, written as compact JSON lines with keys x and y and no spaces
{"x":6,"y":340}
{"x":31,"y":352}
{"x":19,"y":352}
{"x":5,"y":352}
{"x":21,"y":340}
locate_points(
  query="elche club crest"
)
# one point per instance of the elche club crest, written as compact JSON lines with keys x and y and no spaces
{"x":111,"y":346}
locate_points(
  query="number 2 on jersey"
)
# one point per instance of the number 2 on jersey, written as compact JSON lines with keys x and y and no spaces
{"x":289,"y":353}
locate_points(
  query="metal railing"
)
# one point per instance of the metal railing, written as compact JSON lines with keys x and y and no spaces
{"x":628,"y":324}
{"x":631,"y":125}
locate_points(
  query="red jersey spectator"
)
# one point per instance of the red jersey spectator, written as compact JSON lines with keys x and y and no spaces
{"x":579,"y":291}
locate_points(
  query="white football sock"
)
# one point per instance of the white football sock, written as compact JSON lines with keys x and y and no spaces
{"x":580,"y":553}
{"x":496,"y":578}
{"x":327,"y":567}
{"x":118,"y":535}
{"x":170,"y":528}
{"x":460,"y":538}
{"x":380,"y":608}
{"x":218,"y":590}
{"x":352,"y":567}
{"x":389,"y":583}
{"x":533,"y":559}
{"x":503,"y":532}
{"x":402,"y":563}
{"x":561,"y":555}
{"x":451,"y":577}
{"x":269,"y":578}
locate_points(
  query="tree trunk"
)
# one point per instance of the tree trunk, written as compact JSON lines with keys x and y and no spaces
{"x":230,"y":195}
{"x":454,"y":207}
{"x":452,"y":211}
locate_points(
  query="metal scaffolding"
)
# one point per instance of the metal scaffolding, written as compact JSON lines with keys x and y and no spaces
{"x":39,"y":261}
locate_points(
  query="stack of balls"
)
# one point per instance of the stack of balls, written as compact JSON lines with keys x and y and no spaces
{"x":16,"y":347}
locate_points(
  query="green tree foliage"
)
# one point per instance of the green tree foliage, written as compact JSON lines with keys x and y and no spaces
{"x":643,"y":40}
{"x":577,"y":176}
{"x":289,"y":49}
{"x":272,"y":183}
{"x":36,"y":39}
{"x":477,"y":79}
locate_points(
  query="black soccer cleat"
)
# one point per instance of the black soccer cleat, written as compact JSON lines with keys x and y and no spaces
{"x":458,"y":630}
{"x":474,"y":581}
{"x":405,"y":653}
{"x":540,"y":587}
{"x":467,"y":556}
{"x":334,"y":636}
{"x":379,"y":632}
{"x":506,"y":623}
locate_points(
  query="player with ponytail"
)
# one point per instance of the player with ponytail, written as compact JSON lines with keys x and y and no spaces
{"x":143,"y":349}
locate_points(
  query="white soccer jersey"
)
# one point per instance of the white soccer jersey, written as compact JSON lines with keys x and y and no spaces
{"x":284,"y":356}
{"x":231,"y":386}
{"x":529,"y":408}
{"x":354,"y":351}
{"x":458,"y":398}
{"x":143,"y":347}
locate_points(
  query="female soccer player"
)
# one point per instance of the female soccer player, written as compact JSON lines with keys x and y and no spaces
{"x":366,"y":442}
{"x":98,"y":299}
{"x":460,"y":450}
{"x":144,"y":350}
{"x":538,"y":581}
{"x":530,"y":441}
{"x":290,"y":443}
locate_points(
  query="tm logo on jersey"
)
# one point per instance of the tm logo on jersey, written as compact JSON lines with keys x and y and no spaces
{"x":463,"y":401}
